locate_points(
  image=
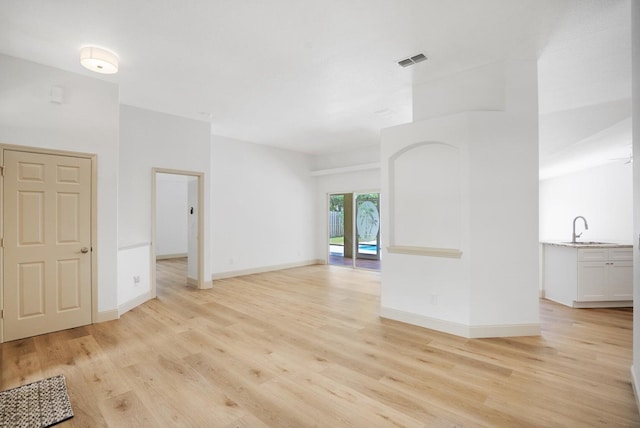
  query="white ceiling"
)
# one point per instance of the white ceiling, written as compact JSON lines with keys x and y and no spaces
{"x":585,"y":88}
{"x":321,"y":76}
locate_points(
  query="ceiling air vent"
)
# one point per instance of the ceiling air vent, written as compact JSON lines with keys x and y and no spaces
{"x":412,"y":60}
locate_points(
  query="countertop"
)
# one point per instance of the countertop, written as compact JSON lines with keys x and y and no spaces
{"x":588,"y":244}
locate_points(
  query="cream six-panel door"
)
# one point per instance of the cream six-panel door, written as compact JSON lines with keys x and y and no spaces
{"x":47,"y":243}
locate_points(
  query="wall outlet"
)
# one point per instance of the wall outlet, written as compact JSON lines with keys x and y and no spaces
{"x":136,"y":279}
{"x":434,"y":298}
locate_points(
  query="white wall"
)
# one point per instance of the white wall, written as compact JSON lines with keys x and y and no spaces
{"x":87,"y":122}
{"x":430,"y":291}
{"x":603,"y":195}
{"x":492,"y":290}
{"x":134,"y":277}
{"x":264,"y":207}
{"x":635,"y":25}
{"x":171,"y":215}
{"x":150,"y":139}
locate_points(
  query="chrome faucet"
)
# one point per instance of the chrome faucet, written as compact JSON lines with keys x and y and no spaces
{"x":586,"y":227}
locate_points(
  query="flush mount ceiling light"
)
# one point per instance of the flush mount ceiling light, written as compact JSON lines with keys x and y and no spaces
{"x":99,"y":60}
{"x":412,"y":60}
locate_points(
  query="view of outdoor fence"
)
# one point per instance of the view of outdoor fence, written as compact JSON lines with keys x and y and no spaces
{"x":336,"y":224}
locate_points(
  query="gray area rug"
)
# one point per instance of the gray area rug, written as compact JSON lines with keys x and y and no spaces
{"x":39,"y":404}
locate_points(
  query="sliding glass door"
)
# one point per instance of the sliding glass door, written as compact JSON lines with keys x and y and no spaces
{"x":367,"y":231}
{"x":354,"y":230}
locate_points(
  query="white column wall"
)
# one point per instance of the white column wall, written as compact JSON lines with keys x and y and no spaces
{"x":492,"y":290}
{"x":429,"y":291}
{"x":504,"y":208}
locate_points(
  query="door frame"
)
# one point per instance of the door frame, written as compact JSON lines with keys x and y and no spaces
{"x":94,"y":220}
{"x":200,"y":176}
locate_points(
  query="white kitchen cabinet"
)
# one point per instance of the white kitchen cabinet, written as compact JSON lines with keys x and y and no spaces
{"x":594,"y":276}
{"x":605,"y":274}
{"x":620,"y":280}
{"x":592,"y":281}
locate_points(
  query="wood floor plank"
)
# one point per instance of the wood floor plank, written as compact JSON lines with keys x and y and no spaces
{"x":98,"y":369}
{"x":181,"y":397}
{"x":127,"y":410}
{"x":86,"y":406}
{"x":246,"y":394}
{"x":306,"y":347}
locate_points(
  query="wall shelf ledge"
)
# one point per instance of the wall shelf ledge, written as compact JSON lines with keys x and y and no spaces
{"x":451,"y":253}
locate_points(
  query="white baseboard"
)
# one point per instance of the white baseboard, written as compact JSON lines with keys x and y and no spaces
{"x":108,"y":315}
{"x":193,"y":282}
{"x":242,"y":272}
{"x":598,"y":304}
{"x":617,"y":304}
{"x":171,"y":256}
{"x":426,"y":322}
{"x":136,"y":301}
{"x":635,"y":385}
{"x":508,"y":330}
{"x":458,"y":329}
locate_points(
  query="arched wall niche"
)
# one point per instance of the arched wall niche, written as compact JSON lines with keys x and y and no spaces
{"x":425,"y":203}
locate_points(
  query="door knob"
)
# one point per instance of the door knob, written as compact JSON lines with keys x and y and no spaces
{"x":84,"y":250}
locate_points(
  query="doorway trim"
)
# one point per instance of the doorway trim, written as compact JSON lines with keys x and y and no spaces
{"x":94,"y":221}
{"x":200,"y":176}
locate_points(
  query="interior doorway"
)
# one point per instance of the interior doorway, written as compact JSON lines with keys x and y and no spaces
{"x":47,"y":254}
{"x":177,"y":223}
{"x":354,"y":230}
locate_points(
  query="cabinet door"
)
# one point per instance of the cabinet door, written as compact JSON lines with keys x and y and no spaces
{"x":620,"y":280}
{"x":592,"y":277}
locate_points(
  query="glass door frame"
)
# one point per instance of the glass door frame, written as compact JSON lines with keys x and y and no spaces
{"x":356,"y":236}
{"x":354,"y":240}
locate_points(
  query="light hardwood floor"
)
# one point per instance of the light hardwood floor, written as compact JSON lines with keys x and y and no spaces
{"x":305,"y":347}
